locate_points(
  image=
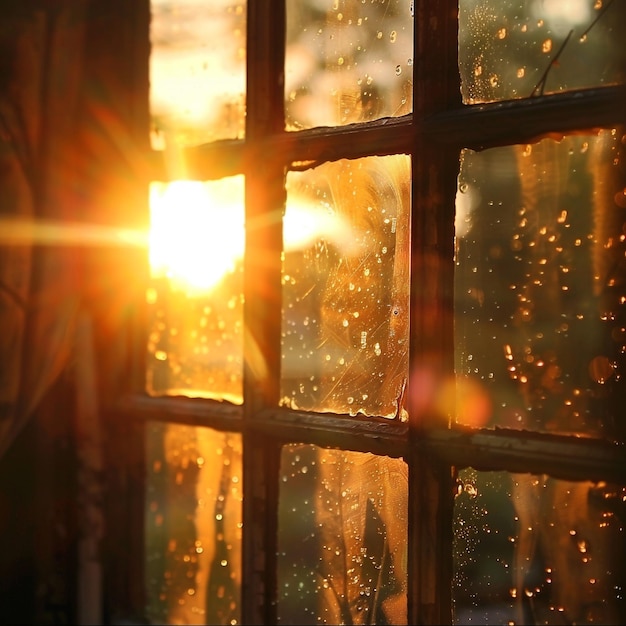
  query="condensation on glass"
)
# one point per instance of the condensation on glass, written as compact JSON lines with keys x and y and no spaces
{"x":342,"y":537}
{"x":197,"y":71}
{"x":193,"y":525}
{"x":524,"y":48}
{"x":346,"y":287}
{"x":347,"y":61}
{"x":195,"y":297}
{"x":540,"y":293}
{"x":537,"y":550}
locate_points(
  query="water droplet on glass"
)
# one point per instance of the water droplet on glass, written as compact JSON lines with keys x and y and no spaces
{"x":600,"y":369}
{"x":471,"y":490}
{"x":620,"y":199}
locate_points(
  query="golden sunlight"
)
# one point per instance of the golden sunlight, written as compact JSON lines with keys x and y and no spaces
{"x":197,"y":231}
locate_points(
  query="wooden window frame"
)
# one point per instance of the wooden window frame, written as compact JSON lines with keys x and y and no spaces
{"x":433,"y":135}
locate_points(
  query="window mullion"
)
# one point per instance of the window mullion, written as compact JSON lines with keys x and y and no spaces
{"x":435,"y":169}
{"x":265,"y":200}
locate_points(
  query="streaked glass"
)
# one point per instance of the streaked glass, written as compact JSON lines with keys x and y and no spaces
{"x":346,"y":287}
{"x":197,"y":71}
{"x":522,"y":48}
{"x":342,"y":537}
{"x":537,"y":550}
{"x":195,"y":297}
{"x":347,"y":61}
{"x":540,"y":293}
{"x":193,"y":525}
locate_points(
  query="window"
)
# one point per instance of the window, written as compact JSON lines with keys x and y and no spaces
{"x":379,"y":374}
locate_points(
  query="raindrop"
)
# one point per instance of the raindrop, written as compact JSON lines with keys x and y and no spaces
{"x":620,"y":199}
{"x":471,"y":490}
{"x":600,"y":369}
{"x":618,"y":334}
{"x":393,"y":35}
{"x":398,"y":70}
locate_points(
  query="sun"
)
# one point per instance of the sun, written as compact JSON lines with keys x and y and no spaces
{"x":196,"y":231}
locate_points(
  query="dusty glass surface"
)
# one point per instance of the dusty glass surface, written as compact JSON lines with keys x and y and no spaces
{"x":346,"y":287}
{"x":197,"y":71}
{"x":342,"y":537}
{"x":537,"y":550}
{"x":195,"y":297}
{"x":193,"y":525}
{"x":540,"y":288}
{"x":347,"y":61}
{"x":520,"y":48}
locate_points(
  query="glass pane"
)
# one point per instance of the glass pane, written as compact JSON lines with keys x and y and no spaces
{"x":197,"y":71}
{"x":346,"y":287}
{"x":537,"y":550}
{"x":193,"y":525}
{"x":347,"y":61}
{"x":342,"y":537}
{"x":522,"y":48}
{"x":195,"y":299}
{"x":541,"y":286}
